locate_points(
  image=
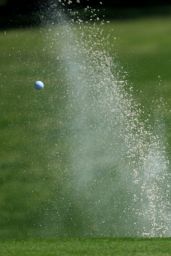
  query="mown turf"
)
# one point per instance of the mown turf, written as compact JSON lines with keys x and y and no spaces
{"x":87,"y":247}
{"x":33,"y":149}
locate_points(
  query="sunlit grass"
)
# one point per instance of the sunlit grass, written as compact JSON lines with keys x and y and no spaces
{"x":87,"y":247}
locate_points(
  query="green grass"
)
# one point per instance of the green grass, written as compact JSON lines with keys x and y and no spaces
{"x":143,"y":49}
{"x":29,"y":122}
{"x":87,"y":247}
{"x":33,"y":153}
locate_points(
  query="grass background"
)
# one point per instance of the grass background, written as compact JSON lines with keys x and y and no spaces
{"x":33,"y":152}
{"x":86,"y":247}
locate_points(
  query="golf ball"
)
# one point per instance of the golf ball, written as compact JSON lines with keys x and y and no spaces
{"x":39,"y":85}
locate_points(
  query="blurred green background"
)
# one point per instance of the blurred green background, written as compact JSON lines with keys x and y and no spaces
{"x":34,"y":173}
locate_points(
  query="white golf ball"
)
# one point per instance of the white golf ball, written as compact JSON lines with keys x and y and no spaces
{"x":39,"y":85}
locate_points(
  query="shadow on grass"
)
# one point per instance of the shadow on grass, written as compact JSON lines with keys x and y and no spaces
{"x":11,"y":19}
